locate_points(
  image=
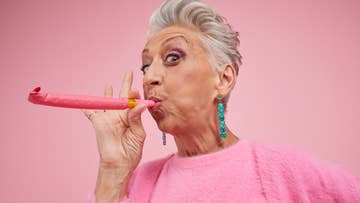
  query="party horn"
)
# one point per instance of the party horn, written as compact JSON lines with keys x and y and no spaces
{"x":84,"y":101}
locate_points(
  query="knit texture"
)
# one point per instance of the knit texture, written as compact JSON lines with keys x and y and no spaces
{"x":244,"y":172}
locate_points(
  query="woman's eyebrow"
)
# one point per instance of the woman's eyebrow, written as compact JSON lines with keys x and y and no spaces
{"x":174,"y":37}
{"x":145,"y":51}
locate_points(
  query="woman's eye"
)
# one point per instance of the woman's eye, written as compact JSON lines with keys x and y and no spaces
{"x":171,"y":58}
{"x":144,"y":68}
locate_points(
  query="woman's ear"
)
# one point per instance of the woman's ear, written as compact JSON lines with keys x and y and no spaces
{"x":227,"y":79}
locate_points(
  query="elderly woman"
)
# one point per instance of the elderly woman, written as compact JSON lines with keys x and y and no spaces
{"x":190,"y":65}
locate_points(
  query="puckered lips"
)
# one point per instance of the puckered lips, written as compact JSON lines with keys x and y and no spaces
{"x":157,"y":107}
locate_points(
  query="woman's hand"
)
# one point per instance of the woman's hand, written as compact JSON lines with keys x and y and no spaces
{"x":120,"y":134}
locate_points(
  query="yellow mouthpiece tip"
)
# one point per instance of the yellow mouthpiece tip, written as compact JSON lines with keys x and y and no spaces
{"x":131,"y":103}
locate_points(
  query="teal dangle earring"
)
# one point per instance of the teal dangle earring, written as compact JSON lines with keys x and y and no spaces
{"x":221,"y":117}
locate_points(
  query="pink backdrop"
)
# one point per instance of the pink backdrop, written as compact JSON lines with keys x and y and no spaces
{"x":299,"y":84}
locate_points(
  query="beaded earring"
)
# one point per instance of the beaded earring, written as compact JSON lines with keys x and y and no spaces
{"x":163,"y":138}
{"x":221,"y":117}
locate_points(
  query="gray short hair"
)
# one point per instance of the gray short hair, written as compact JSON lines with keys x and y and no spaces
{"x":217,"y":36}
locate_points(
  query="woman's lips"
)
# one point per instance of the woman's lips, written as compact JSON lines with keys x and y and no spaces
{"x":157,"y":106}
{"x":157,"y":100}
{"x":154,"y":98}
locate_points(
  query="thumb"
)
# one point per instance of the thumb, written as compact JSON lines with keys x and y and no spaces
{"x":134,"y":118}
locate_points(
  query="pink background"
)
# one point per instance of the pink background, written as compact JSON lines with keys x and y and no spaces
{"x":299,"y":85}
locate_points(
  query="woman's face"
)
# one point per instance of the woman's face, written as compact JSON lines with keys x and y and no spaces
{"x":177,"y":73}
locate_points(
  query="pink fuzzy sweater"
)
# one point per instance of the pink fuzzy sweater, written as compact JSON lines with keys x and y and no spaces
{"x":244,"y":172}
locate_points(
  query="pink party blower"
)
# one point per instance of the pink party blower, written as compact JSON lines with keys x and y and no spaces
{"x":84,"y":102}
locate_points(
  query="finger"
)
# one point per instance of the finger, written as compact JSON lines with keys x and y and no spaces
{"x":88,"y":113}
{"x":108,"y":91}
{"x":126,"y":85}
{"x":134,"y":94}
{"x":134,"y":119}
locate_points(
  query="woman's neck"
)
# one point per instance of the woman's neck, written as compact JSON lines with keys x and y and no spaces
{"x":202,"y":141}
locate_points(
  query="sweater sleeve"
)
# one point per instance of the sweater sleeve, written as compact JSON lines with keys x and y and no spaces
{"x":141,"y":182}
{"x":92,"y":199}
{"x":330,"y":181}
{"x":292,"y":175}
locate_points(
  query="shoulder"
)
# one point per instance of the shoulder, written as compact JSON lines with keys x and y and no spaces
{"x":295,"y":160}
{"x":282,"y":156}
{"x":298,"y":175}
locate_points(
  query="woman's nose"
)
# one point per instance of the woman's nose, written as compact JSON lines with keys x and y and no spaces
{"x":153,"y":76}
